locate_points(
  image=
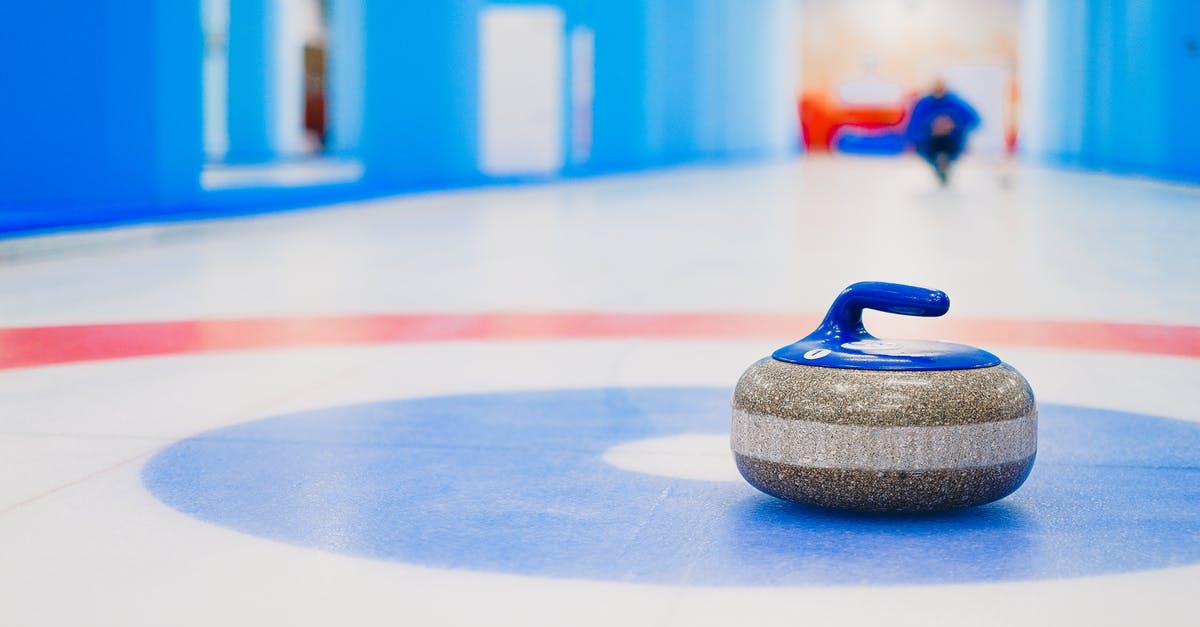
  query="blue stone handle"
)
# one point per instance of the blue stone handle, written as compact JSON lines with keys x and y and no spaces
{"x":839,"y":341}
{"x":844,"y":322}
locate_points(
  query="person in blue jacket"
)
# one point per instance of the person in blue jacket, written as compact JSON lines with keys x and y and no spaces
{"x":938,"y":128}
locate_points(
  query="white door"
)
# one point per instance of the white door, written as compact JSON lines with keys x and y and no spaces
{"x":521,"y":90}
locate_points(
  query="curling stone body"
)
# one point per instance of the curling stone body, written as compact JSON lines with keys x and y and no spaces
{"x":883,"y":425}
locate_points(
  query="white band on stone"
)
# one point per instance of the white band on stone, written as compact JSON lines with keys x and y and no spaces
{"x":826,"y":445}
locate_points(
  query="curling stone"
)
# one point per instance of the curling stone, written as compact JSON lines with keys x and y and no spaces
{"x":845,"y":420}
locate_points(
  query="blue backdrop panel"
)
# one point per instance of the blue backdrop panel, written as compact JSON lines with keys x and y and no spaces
{"x":1121,"y":89}
{"x":106,"y":119}
{"x":420,"y":104}
{"x":345,"y":88}
{"x":620,"y":118}
{"x":101,"y":109}
{"x":674,"y":104}
{"x":681,"y":81}
{"x":1181,"y":34}
{"x":517,"y":483}
{"x":749,"y":57}
{"x":253,"y":28}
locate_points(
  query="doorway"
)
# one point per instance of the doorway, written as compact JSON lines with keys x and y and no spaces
{"x":521,"y":91}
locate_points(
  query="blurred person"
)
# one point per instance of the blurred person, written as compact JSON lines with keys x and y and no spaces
{"x":938,"y":128}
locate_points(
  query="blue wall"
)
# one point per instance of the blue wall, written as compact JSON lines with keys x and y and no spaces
{"x":420,"y":99}
{"x":103,"y":102}
{"x":708,"y":79}
{"x":1120,"y":86}
{"x":251,"y":88}
{"x":99,"y":120}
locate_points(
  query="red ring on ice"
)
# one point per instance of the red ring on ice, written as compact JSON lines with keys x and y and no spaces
{"x":24,"y":347}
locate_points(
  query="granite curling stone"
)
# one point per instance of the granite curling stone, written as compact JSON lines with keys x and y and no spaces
{"x":844,"y":420}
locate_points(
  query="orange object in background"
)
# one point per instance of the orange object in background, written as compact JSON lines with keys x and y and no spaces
{"x":1011,"y":117}
{"x":821,"y":117}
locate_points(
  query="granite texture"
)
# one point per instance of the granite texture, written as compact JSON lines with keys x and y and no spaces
{"x":886,"y":491}
{"x":883,"y":397}
{"x":876,"y":440}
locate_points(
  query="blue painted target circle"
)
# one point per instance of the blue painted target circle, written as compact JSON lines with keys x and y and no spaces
{"x":515,"y":483}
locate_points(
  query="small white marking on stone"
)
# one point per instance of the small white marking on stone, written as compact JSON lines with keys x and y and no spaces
{"x":704,"y":457}
{"x":816,"y":353}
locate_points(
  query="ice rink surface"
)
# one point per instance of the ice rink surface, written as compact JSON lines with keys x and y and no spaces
{"x":506,"y":405}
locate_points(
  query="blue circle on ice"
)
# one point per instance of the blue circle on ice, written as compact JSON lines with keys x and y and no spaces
{"x":514,"y":483}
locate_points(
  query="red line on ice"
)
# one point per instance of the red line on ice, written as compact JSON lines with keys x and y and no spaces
{"x":22,"y":347}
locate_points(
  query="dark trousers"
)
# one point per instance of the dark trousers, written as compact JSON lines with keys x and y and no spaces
{"x":949,"y":145}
